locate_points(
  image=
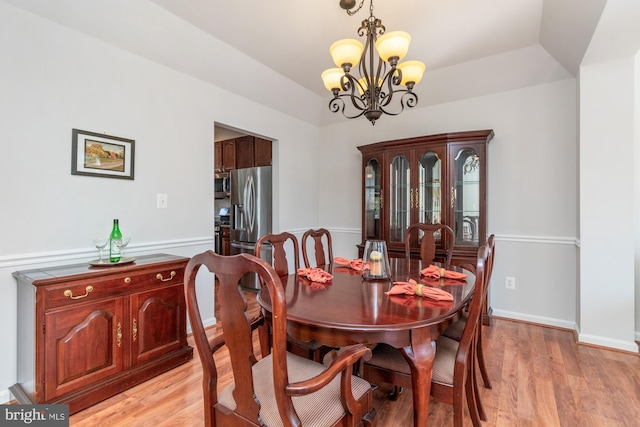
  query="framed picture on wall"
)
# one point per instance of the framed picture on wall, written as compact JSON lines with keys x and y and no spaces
{"x":97,"y":154}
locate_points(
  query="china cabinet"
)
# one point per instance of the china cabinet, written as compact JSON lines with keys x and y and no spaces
{"x":87,"y":333}
{"x":435,"y":179}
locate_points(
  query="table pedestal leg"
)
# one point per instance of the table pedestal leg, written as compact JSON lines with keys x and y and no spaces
{"x":420,"y":356}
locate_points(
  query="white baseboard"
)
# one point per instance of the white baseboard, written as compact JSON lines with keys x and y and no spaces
{"x":565,"y":324}
{"x":5,"y":396}
{"x":206,"y":322}
{"x":547,"y":321}
{"x":608,"y":342}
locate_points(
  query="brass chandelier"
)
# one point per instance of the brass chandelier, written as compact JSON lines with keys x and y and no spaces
{"x":372,"y":92}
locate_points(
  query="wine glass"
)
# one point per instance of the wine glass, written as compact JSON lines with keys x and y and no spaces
{"x":122,"y":243}
{"x":100,"y":243}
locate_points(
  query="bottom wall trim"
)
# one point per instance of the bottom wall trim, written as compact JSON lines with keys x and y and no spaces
{"x":566,"y":324}
{"x":5,"y":396}
{"x":211,"y":321}
{"x":630,"y":346}
{"x":547,"y":321}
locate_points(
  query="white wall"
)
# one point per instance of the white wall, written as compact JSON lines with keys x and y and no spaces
{"x":53,"y":79}
{"x":607,"y":258}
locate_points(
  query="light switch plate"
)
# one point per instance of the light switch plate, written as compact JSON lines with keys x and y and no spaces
{"x":163,"y":201}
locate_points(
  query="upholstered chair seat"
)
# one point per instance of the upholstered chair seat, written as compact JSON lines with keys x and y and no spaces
{"x":322,"y":408}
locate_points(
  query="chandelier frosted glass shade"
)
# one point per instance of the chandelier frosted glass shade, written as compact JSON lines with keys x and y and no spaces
{"x":394,"y":44}
{"x":346,"y":51}
{"x":412,"y":72}
{"x":332,"y":77}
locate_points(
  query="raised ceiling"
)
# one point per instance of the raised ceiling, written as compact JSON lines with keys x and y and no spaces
{"x":539,"y":40}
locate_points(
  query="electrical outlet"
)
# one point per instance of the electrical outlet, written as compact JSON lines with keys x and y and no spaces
{"x":163,"y":201}
{"x":510,"y":282}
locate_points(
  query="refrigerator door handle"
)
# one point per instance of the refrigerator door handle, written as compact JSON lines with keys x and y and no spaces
{"x":249,"y":205}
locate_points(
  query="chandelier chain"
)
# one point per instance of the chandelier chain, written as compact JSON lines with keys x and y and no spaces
{"x":351,"y":13}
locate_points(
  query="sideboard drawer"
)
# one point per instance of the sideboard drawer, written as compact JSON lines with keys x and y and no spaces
{"x":75,"y":292}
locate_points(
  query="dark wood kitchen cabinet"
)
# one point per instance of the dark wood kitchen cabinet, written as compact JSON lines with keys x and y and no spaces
{"x":430,"y":179}
{"x":87,"y":333}
{"x":226,"y":240}
{"x":242,"y":152}
{"x":224,"y":155}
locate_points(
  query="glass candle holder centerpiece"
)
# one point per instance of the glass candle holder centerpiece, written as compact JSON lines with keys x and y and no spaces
{"x":375,"y":260}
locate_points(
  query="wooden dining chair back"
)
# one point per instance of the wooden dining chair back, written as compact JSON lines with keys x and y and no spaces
{"x":428,"y":241}
{"x":279,"y":242}
{"x":322,"y":246}
{"x":485,"y":304}
{"x":280,"y":389}
{"x":279,"y":251}
{"x":455,"y":330}
{"x":453,"y":366}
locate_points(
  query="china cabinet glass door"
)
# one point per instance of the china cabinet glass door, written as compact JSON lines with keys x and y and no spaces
{"x":429,"y":190}
{"x":372,"y":199}
{"x":399,"y":187}
{"x":465,"y":196}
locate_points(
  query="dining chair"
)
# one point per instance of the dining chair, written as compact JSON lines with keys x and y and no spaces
{"x":319,"y":236}
{"x":279,"y":243}
{"x":453,"y":367}
{"x":455,"y":330}
{"x":428,"y":241}
{"x":281,"y":389}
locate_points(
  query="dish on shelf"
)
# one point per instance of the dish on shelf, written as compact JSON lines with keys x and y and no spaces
{"x":107,"y":263}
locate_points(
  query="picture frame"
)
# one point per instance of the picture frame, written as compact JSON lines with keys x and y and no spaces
{"x":101,"y":155}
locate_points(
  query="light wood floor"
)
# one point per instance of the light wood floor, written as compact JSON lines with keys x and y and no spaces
{"x":540,"y":378}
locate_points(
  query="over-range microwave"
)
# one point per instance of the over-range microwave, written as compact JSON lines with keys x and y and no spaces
{"x":222,"y":185}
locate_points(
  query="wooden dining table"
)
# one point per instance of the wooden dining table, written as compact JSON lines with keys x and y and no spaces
{"x":349,"y":310}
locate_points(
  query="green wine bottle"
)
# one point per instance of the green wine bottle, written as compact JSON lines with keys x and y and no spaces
{"x":114,"y":250}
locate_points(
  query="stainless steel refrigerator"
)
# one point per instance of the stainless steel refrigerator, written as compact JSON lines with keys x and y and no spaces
{"x":250,"y":214}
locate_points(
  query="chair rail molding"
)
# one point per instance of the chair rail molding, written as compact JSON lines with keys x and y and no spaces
{"x":545,"y":240}
{"x":69,"y":255}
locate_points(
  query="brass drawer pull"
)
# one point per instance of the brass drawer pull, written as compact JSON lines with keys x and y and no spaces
{"x":135,"y":329}
{"x":119,"y":334}
{"x":127,"y":280}
{"x":162,"y":279}
{"x":69,"y":293}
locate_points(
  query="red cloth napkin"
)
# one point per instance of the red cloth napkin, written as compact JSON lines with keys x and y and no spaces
{"x":434,"y":272}
{"x":315,"y":274}
{"x":354,"y":264}
{"x":414,"y":288}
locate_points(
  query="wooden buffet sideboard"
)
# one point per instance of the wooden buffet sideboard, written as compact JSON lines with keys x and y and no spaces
{"x":87,"y":333}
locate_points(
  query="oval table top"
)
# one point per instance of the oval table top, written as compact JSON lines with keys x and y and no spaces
{"x":348,"y":302}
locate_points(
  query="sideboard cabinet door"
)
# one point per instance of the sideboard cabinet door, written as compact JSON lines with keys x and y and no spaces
{"x":157,"y":323}
{"x":83,"y":345}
